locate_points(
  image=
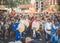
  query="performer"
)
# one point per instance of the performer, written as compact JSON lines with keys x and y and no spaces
{"x":53,"y":34}
{"x":14,"y":28}
{"x":47,"y":28}
{"x":50,"y":30}
{"x":17,"y":35}
{"x":31,"y":21}
{"x":35,"y":26}
{"x":21,"y":29}
{"x":15,"y":25}
{"x":34,"y":22}
{"x":27,"y":21}
{"x":27,"y":27}
{"x":22,"y":20}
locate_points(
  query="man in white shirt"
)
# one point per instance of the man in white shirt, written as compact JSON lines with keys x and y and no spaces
{"x":35,"y":26}
{"x":22,"y":20}
{"x":48,"y":29}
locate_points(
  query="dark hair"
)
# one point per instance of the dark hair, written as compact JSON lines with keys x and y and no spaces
{"x":48,"y":19}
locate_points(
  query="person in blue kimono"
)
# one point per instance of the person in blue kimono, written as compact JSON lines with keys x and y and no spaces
{"x":53,"y":34}
{"x":14,"y":28}
{"x":57,"y":24}
{"x":17,"y":35}
{"x":15,"y":25}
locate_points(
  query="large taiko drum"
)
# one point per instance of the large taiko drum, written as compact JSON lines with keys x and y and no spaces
{"x":27,"y":23}
{"x":37,"y":25}
{"x":21,"y":27}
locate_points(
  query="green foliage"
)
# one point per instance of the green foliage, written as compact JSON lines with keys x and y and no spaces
{"x":15,"y":3}
{"x":12,"y":3}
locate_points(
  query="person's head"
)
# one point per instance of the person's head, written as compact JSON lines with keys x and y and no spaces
{"x":27,"y":16}
{"x":28,"y":39}
{"x":48,"y":20}
{"x":58,"y":18}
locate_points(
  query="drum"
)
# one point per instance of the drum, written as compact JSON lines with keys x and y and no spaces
{"x":37,"y":25}
{"x":27,"y":23}
{"x":21,"y":28}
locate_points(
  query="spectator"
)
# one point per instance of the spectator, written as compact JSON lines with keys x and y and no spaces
{"x":28,"y":39}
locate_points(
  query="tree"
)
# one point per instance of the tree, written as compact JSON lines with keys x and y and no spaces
{"x":12,"y":3}
{"x":15,"y":3}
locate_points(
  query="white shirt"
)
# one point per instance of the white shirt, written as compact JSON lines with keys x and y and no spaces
{"x":34,"y":23}
{"x":48,"y":28}
{"x":22,"y":21}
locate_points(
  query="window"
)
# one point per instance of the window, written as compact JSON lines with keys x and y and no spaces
{"x":42,"y":6}
{"x":41,"y":2}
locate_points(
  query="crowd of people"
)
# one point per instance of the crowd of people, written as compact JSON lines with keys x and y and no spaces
{"x":27,"y":28}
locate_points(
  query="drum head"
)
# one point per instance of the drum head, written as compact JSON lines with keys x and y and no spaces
{"x":27,"y":23}
{"x":36,"y":26}
{"x":21,"y":27}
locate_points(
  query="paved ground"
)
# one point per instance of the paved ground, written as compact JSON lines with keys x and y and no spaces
{"x":12,"y":40}
{"x":7,"y":40}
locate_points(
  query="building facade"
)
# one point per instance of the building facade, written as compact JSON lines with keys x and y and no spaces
{"x":52,"y":2}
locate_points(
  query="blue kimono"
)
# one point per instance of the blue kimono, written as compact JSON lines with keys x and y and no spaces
{"x":15,"y":26}
{"x":53,"y":34}
{"x":17,"y":35}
